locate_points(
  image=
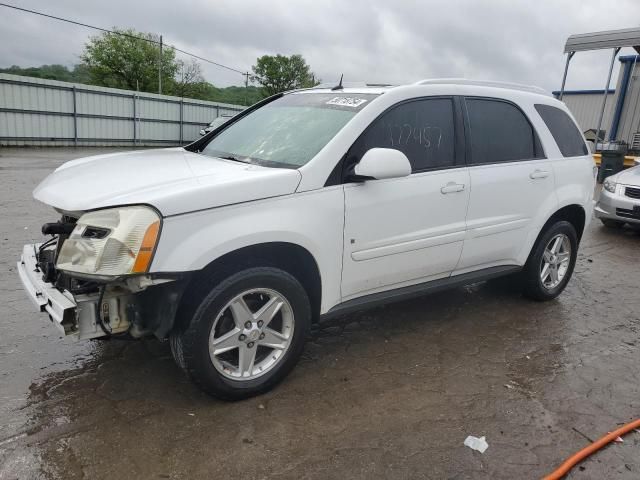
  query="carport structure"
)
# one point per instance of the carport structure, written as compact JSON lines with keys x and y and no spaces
{"x":613,"y":39}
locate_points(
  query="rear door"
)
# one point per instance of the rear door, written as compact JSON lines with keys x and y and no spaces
{"x":511,"y":183}
{"x":407,"y":230}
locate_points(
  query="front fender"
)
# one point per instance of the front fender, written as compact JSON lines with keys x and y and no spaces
{"x":312,"y":220}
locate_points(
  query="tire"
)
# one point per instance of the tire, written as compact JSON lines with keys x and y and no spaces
{"x":611,"y":223}
{"x":175,"y":342}
{"x":221,"y":321}
{"x":553,"y":284}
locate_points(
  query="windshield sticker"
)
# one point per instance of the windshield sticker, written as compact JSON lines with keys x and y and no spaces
{"x":347,"y":101}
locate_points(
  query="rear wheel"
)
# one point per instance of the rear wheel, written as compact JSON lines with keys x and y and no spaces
{"x":607,"y":222}
{"x":246,"y":335}
{"x":551,"y":262}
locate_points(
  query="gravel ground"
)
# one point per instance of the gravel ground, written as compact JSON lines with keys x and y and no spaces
{"x":387,"y":393}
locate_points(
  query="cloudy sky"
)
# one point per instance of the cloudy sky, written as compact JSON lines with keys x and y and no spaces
{"x":396,"y":41}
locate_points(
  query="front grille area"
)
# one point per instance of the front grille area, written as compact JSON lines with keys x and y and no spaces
{"x":48,"y":252}
{"x":628,"y":213}
{"x":633,"y":192}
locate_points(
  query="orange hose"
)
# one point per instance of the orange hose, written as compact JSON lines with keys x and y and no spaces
{"x":576,"y":458}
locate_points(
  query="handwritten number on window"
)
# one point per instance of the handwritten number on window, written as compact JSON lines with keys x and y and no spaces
{"x":403,"y":134}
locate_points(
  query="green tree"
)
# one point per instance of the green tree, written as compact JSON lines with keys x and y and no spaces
{"x":128,"y":61}
{"x":181,"y":86}
{"x":280,"y":73}
{"x":50,"y":72}
{"x":80,"y":74}
{"x":235,"y":95}
{"x":189,"y":81}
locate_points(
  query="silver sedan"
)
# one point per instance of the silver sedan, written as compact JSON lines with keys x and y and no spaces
{"x":619,"y":201}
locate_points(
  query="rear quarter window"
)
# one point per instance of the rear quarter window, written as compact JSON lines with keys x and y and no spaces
{"x":564,"y":131}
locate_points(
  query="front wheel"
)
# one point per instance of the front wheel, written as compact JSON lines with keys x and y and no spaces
{"x":551,"y":262}
{"x":247,"y":333}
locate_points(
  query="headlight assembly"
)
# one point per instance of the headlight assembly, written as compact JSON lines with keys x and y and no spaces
{"x":609,"y":185}
{"x":111,"y":242}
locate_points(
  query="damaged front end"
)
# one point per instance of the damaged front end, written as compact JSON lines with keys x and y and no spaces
{"x":92,"y":278}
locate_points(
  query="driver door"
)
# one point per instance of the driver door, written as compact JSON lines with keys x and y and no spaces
{"x":404,"y":231}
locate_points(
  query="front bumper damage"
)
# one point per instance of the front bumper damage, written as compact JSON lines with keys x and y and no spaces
{"x":61,"y":307}
{"x":138,"y":306}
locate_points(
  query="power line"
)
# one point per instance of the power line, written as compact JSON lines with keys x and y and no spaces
{"x":156,"y":42}
{"x":207,"y":60}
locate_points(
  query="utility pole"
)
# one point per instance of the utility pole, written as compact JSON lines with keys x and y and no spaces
{"x":160,"y":69}
{"x":246,"y":86}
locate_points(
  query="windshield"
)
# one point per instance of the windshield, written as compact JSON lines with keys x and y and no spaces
{"x":289,"y":131}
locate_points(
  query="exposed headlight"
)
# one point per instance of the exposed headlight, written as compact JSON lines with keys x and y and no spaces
{"x":111,"y":242}
{"x":609,"y":185}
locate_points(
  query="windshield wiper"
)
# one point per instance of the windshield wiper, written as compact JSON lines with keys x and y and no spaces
{"x":234,"y":158}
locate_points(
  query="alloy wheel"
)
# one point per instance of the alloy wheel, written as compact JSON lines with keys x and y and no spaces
{"x":251,"y":334}
{"x":555,"y":261}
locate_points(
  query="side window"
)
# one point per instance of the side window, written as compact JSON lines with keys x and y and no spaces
{"x":500,"y":132}
{"x":422,"y":129}
{"x":564,"y":131}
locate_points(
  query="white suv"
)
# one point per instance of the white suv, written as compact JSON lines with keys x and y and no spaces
{"x":311,"y":204}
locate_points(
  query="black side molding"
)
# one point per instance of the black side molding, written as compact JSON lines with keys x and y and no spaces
{"x":412,"y":291}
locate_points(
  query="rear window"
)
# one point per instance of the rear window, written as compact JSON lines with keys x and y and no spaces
{"x":564,"y":131}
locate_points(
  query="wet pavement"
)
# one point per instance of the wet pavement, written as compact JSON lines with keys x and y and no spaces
{"x":388,"y":393}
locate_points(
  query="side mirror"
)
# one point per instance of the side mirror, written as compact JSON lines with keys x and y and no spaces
{"x":592,"y":146}
{"x":381,"y":163}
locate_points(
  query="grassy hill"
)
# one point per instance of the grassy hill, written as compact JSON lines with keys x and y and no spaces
{"x":237,"y":95}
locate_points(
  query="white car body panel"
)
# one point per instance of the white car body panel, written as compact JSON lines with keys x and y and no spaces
{"x":405,"y":230}
{"x":313,"y":220}
{"x":572,"y":175}
{"x":497,"y":229}
{"x":629,"y":177}
{"x":173,"y":180}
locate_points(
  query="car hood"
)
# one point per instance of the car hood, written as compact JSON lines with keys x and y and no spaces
{"x":630,"y":176}
{"x":173,"y":180}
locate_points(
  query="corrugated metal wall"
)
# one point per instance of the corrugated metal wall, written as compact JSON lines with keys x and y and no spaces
{"x":630,"y":116}
{"x":586,"y":108}
{"x":586,"y":105}
{"x":47,"y":112}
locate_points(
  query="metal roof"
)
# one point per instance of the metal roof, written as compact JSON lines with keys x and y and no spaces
{"x":585,"y":92}
{"x":627,"y":37}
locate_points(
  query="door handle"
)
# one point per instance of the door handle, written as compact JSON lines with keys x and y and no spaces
{"x":452,"y":187}
{"x":538,"y":174}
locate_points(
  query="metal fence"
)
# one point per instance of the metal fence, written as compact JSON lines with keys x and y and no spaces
{"x":47,"y":112}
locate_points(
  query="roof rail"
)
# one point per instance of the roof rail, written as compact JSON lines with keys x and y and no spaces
{"x":483,"y":83}
{"x":354,"y":85}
